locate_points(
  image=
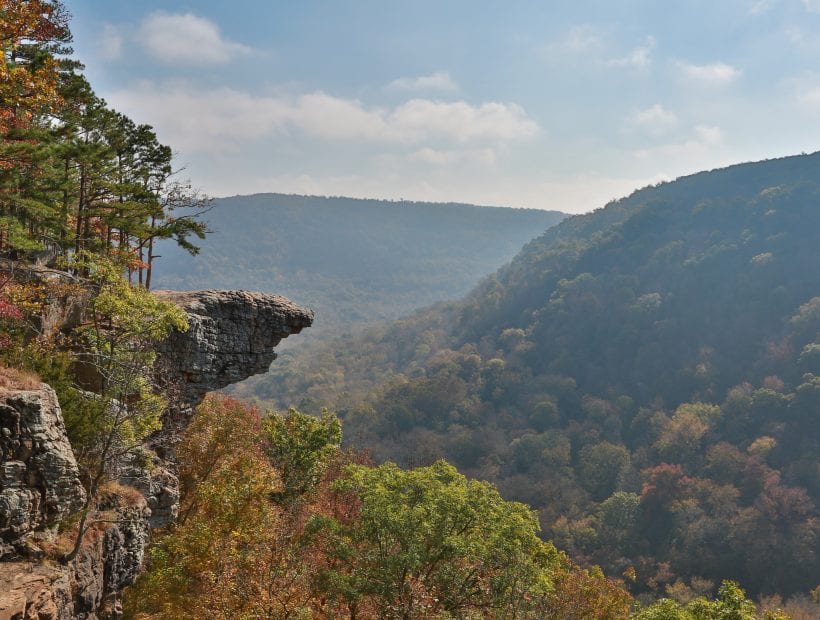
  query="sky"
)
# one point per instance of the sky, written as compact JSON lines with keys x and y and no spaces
{"x":541,"y":104}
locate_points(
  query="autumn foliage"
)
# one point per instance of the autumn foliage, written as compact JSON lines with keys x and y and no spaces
{"x":338,"y":537}
{"x":341,"y":538}
{"x":28,"y":82}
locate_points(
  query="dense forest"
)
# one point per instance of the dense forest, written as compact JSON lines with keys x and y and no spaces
{"x":646,"y":376}
{"x":352,"y":261}
{"x":277,"y":521}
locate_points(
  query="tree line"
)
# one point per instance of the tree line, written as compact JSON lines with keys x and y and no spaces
{"x":75,"y":175}
{"x":86,"y":189}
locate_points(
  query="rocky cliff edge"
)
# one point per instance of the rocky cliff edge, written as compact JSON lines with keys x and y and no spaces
{"x":232,"y":336}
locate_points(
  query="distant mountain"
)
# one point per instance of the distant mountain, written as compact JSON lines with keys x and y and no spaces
{"x":351,"y":261}
{"x":646,"y":375}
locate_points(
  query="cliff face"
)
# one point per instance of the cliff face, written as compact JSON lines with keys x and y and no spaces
{"x":39,"y":487}
{"x":39,"y":479}
{"x":232,"y":336}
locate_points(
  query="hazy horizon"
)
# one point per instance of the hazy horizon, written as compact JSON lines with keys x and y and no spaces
{"x":560,"y":108}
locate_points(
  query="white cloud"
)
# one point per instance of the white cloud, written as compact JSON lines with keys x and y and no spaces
{"x":200,"y":120}
{"x":419,"y":119}
{"x":582,"y":38}
{"x":655,"y":119}
{"x":812,"y":6}
{"x":708,"y":135}
{"x":439,"y":81}
{"x":795,"y":35}
{"x":639,"y":58}
{"x":579,"y":39}
{"x":699,"y":148}
{"x":333,"y":118}
{"x":803,"y":38}
{"x":195,"y":119}
{"x":592,"y":41}
{"x":717,"y":73}
{"x":186,"y":39}
{"x":804,"y":90}
{"x":810,"y":97}
{"x":759,"y":7}
{"x":451,"y":157}
{"x":110,"y":43}
{"x":415,"y":121}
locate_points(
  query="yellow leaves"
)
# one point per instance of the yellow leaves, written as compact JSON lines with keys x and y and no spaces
{"x":683,"y":434}
{"x":371,"y":542}
{"x":27,"y":87}
{"x":227,"y":547}
{"x":132,"y":311}
{"x":28,"y":297}
{"x":761,"y":446}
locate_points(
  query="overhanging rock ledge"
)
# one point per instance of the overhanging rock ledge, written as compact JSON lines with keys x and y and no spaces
{"x":232,"y":336}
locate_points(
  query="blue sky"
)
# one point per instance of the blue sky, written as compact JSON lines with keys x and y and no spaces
{"x":553,"y":105}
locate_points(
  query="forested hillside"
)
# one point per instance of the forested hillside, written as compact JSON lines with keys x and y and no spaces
{"x":351,"y":260}
{"x":647,"y":376}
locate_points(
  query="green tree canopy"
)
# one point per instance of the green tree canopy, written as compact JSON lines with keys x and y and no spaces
{"x":428,"y":540}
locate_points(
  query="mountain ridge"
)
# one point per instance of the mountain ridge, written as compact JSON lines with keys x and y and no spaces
{"x":654,"y":361}
{"x":351,"y":260}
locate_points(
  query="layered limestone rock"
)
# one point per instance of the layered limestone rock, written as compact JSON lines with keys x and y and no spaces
{"x":110,"y":559}
{"x":39,"y":479}
{"x":231,"y":337}
{"x":157,"y":484}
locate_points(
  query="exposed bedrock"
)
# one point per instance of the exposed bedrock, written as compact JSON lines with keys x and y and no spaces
{"x":232,"y":336}
{"x":39,"y":479}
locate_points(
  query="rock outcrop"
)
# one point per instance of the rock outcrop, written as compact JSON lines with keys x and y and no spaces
{"x":158,"y":485}
{"x":89,"y":586}
{"x":232,"y":336}
{"x":110,"y":559}
{"x":67,"y":296}
{"x":39,"y":487}
{"x":39,"y":479}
